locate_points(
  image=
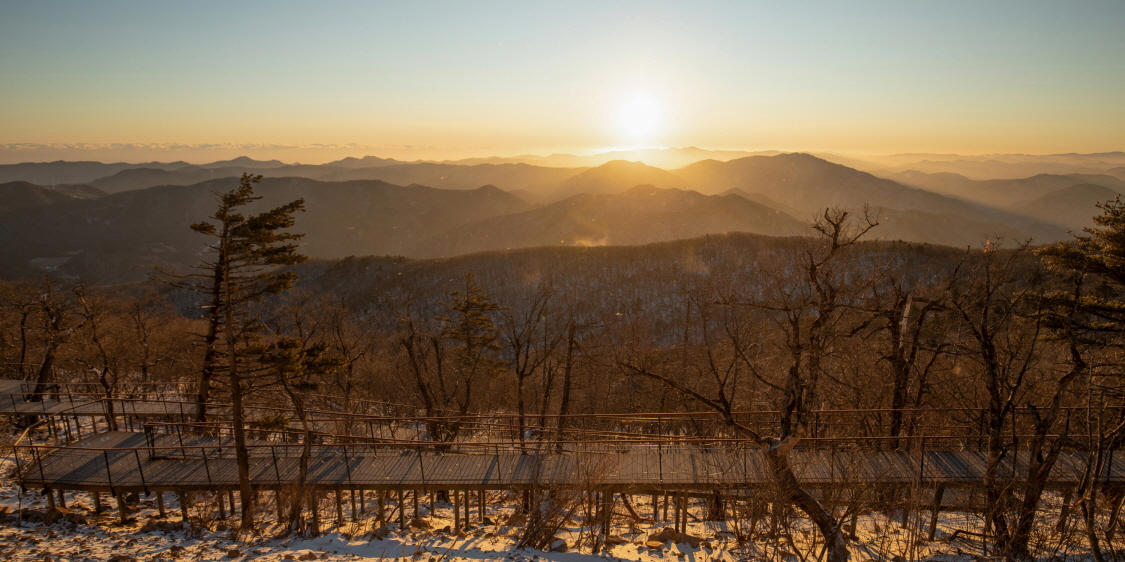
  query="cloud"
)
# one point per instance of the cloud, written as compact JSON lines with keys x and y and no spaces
{"x":203,"y":146}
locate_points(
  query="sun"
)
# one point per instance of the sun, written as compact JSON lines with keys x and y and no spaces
{"x":639,"y":116}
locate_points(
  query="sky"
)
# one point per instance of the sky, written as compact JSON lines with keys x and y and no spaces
{"x":315,"y":81}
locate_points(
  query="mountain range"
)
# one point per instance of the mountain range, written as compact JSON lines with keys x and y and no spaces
{"x":982,"y":167}
{"x":117,"y":226}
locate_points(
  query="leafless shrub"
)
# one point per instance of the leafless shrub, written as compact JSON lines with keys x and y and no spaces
{"x":554,"y":508}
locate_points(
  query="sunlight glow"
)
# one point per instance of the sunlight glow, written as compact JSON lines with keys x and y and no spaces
{"x":639,"y":116}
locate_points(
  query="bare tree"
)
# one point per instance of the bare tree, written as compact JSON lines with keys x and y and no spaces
{"x":995,"y":295}
{"x":58,"y":323}
{"x":450,"y":357}
{"x":18,"y":304}
{"x":530,"y":338}
{"x":810,"y":315}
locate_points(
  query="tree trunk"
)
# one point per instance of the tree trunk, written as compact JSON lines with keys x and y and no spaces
{"x":836,"y":545}
{"x":241,"y":452}
{"x":46,"y":372}
{"x":520,"y":407}
{"x":564,"y":403}
{"x":303,"y":464}
{"x":24,"y":315}
{"x":210,"y":343}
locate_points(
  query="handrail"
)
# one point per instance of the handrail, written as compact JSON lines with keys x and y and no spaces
{"x":16,"y":445}
{"x":415,"y":443}
{"x":27,"y":431}
{"x":642,"y":416}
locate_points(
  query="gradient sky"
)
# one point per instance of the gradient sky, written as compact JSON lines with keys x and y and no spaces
{"x":477,"y":78}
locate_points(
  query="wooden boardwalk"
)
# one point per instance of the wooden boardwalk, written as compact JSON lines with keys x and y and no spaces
{"x":137,"y":462}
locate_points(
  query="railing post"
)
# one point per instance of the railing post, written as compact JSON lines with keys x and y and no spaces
{"x":39,"y":461}
{"x":109,"y":473}
{"x":207,"y":467}
{"x":19,"y":466}
{"x":141,"y":470}
{"x":276,"y":470}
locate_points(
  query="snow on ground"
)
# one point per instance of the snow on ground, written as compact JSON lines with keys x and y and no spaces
{"x":102,"y":537}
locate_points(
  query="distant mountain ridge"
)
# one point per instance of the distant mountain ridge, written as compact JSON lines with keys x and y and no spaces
{"x":365,"y":162}
{"x":21,"y":195}
{"x":808,"y":183}
{"x":667,"y":158}
{"x":1004,"y":193}
{"x":1073,"y":206}
{"x":47,"y":173}
{"x":611,"y":177}
{"x":619,"y":202}
{"x":641,"y":215}
{"x":125,"y":234}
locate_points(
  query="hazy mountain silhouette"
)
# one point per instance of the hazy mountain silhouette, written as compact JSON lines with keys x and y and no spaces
{"x":615,"y":177}
{"x":763,"y":200}
{"x":46,"y":173}
{"x":245,"y":162}
{"x":667,"y":158}
{"x":810,"y":184}
{"x":1072,"y":207}
{"x":640,"y":215}
{"x":916,"y":226}
{"x":80,"y":191}
{"x":1004,"y":193}
{"x":133,"y":230}
{"x":140,"y":178}
{"x":21,"y":195}
{"x":453,"y":176}
{"x":994,"y":169}
{"x":365,"y":162}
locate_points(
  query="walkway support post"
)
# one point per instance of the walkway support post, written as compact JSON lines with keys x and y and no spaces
{"x":339,"y":509}
{"x":314,"y":505}
{"x":675,"y":510}
{"x":121,"y":509}
{"x":456,"y":510}
{"x":401,"y":510}
{"x":938,"y":493}
{"x":280,"y":507}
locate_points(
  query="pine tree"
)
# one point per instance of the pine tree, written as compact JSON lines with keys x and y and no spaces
{"x":475,"y":337}
{"x":241,"y":268}
{"x":1098,"y":256}
{"x":1089,"y":314}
